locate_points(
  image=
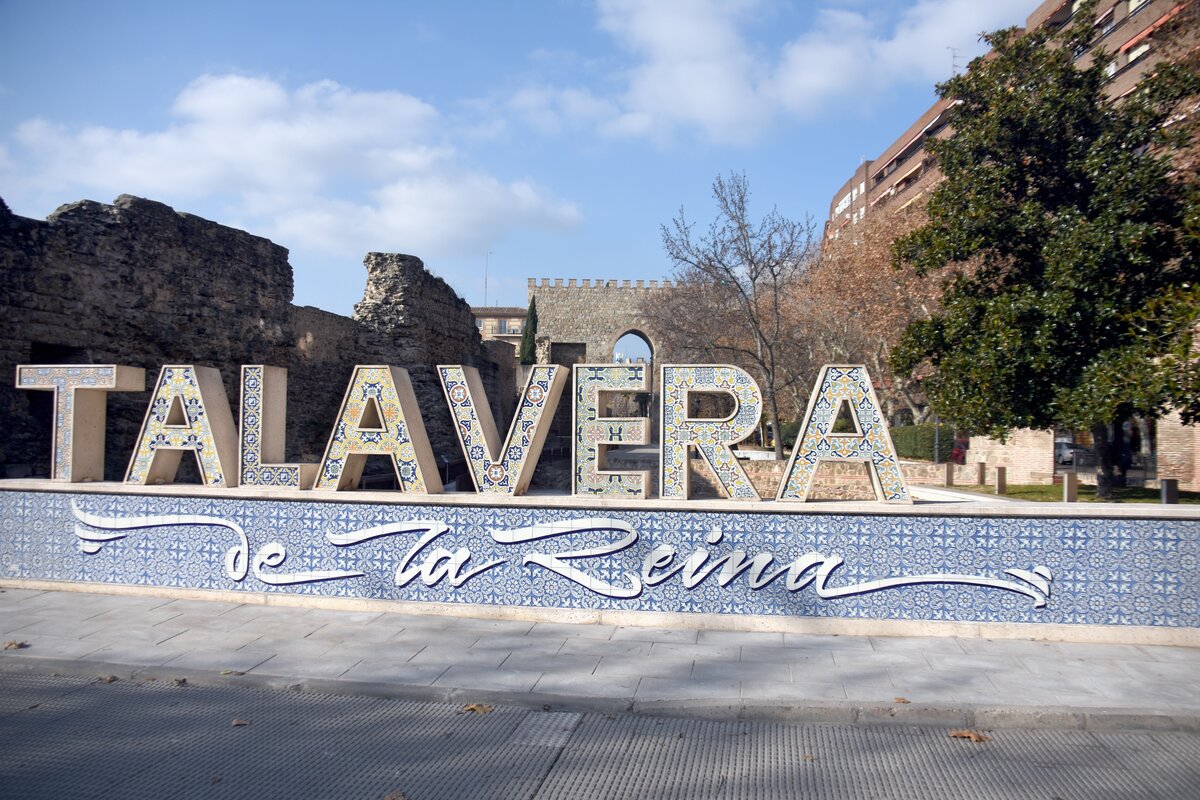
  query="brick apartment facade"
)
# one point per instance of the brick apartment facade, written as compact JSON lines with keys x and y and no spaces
{"x":903,"y":173}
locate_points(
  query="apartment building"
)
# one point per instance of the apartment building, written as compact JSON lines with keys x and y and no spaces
{"x":501,"y":323}
{"x":903,"y":172}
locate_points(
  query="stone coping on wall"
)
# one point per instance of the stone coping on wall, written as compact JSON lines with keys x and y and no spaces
{"x":984,"y":507}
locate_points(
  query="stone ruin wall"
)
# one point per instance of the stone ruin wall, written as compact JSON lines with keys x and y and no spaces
{"x":138,"y":283}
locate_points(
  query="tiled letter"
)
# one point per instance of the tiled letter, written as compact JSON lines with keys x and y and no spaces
{"x":263,"y":429}
{"x":379,"y":416}
{"x":711,"y":437}
{"x":189,"y":411}
{"x":77,"y":453}
{"x":508,"y":468}
{"x":594,"y":433}
{"x":871,"y":443}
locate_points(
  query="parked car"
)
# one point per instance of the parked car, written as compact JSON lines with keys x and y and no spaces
{"x":1064,"y":452}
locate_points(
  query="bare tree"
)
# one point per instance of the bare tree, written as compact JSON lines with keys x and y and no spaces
{"x":735,"y":285}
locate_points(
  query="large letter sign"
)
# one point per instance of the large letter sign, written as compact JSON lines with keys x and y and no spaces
{"x":379,"y":416}
{"x":711,"y":437}
{"x":594,"y":433}
{"x":871,"y":442}
{"x":80,"y":393}
{"x":496,"y":468}
{"x":188,"y":412}
{"x":262,"y":429}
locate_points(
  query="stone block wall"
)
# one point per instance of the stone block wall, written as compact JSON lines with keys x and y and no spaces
{"x":141,"y":284}
{"x":1177,"y":447}
{"x":596,"y":313}
{"x":1028,"y":455}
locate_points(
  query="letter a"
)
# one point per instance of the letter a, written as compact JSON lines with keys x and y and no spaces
{"x":508,"y":468}
{"x":379,"y":416}
{"x":188,"y":412}
{"x":871,"y":443}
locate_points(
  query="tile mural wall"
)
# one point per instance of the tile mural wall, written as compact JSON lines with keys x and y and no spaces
{"x":985,"y":569}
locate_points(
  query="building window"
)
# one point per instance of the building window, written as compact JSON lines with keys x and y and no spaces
{"x":1138,"y":52}
{"x":1136,"y":6}
{"x":501,"y":326}
{"x":479,"y":324}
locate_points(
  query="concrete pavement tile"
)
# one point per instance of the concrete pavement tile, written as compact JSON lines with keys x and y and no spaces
{"x":696,"y":652}
{"x":284,"y":626}
{"x":1091,"y":651}
{"x":585,"y":684}
{"x":651,"y":689}
{"x":647,"y":634}
{"x":54,"y":626}
{"x":132,"y":654}
{"x":1188,"y":655}
{"x":14,"y":594}
{"x":551,"y":663}
{"x":128,"y":636}
{"x":1014,"y":647}
{"x":333,"y":632}
{"x":913,"y":659}
{"x":144,"y":616}
{"x":522,"y":643}
{"x":860,"y":692}
{"x":741,"y":638}
{"x":326,"y":615}
{"x":606,"y":647}
{"x":14,"y":622}
{"x":626,"y":665}
{"x":202,"y":608}
{"x":1026,"y":690}
{"x":785,"y":655}
{"x":924,"y":644}
{"x":46,"y":646}
{"x":218,"y":659}
{"x":435,"y":637}
{"x":572,"y":631}
{"x":1169,"y":671}
{"x":470,"y":677}
{"x":821,"y":641}
{"x":394,"y":652}
{"x":307,"y":648}
{"x":927,"y":688}
{"x":298,"y":666}
{"x":494,"y":627}
{"x":793,"y":691}
{"x":392,"y":672}
{"x":1052,"y":666}
{"x":742,"y":671}
{"x":868,"y":676}
{"x":207,"y":622}
{"x":460,"y":655}
{"x":977,"y":661}
{"x":199,"y":639}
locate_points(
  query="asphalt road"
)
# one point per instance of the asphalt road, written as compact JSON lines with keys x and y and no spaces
{"x":67,"y":737}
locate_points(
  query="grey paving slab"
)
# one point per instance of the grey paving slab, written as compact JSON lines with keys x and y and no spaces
{"x":606,"y":647}
{"x":383,"y":651}
{"x":217,"y":660}
{"x":631,"y":665}
{"x":826,"y":642}
{"x":651,"y":634}
{"x":201,"y":638}
{"x":569,"y":631}
{"x":442,"y":654}
{"x":653,"y":689}
{"x":135,"y":654}
{"x":681,"y":653}
{"x":289,"y":665}
{"x":502,"y":680}
{"x":794,"y":691}
{"x":581,"y":662}
{"x":547,"y":645}
{"x":46,"y":646}
{"x":584,"y":683}
{"x":739,"y":638}
{"x":741,"y":671}
{"x":391,"y":672}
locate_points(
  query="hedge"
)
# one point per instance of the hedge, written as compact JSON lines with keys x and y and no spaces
{"x":916,"y":441}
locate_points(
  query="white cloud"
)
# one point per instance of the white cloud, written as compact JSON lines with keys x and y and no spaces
{"x":322,"y":169}
{"x":694,"y":68}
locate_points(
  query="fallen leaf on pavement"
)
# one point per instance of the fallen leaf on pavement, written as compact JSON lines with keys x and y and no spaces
{"x":394,"y":796}
{"x":809,"y":757}
{"x":974,"y":736}
{"x":478,"y":708}
{"x":232,"y":672}
{"x":107,"y":679}
{"x":901,"y":700}
{"x":240,"y":723}
{"x":13,"y":644}
{"x":181,"y":681}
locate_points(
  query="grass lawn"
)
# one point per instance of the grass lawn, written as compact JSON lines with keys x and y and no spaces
{"x":1087,"y":494}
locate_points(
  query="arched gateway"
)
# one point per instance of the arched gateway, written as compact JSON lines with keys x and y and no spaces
{"x":584,"y":319}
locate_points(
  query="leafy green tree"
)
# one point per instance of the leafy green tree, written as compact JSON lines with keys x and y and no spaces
{"x":1070,"y":247}
{"x":527,"y":352}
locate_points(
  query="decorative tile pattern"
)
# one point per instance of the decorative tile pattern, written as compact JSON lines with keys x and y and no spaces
{"x":397,"y":432}
{"x":179,"y":387}
{"x":255,"y":436}
{"x":711,"y":437}
{"x":872,"y":444}
{"x":67,"y":381}
{"x":966,"y":569}
{"x":593,"y":433}
{"x":508,"y":471}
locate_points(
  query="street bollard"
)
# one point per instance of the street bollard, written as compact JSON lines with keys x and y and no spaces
{"x":981,"y":475}
{"x":1169,"y":487}
{"x":1070,"y":487}
{"x":1001,"y":480}
{"x":949,"y":473}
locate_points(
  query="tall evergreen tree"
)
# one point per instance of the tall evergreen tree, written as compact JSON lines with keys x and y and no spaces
{"x":1070,"y":244}
{"x":527,"y":352}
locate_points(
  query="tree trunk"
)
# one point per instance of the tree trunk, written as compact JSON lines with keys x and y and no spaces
{"x":1106,"y":461}
{"x":773,"y":410}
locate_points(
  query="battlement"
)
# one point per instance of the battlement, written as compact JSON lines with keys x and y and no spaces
{"x":598,"y":283}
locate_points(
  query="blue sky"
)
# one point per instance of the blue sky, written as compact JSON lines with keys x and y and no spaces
{"x":538,"y":139}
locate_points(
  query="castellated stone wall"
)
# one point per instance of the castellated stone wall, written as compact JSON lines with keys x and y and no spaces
{"x":597,"y":313}
{"x":138,"y":283}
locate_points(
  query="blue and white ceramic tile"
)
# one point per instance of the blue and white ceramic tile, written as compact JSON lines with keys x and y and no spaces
{"x":1093,"y":571}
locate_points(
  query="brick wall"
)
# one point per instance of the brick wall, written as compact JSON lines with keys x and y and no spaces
{"x":1028,"y":455}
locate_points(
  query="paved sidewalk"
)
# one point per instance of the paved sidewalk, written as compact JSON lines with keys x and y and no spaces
{"x":669,"y":671}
